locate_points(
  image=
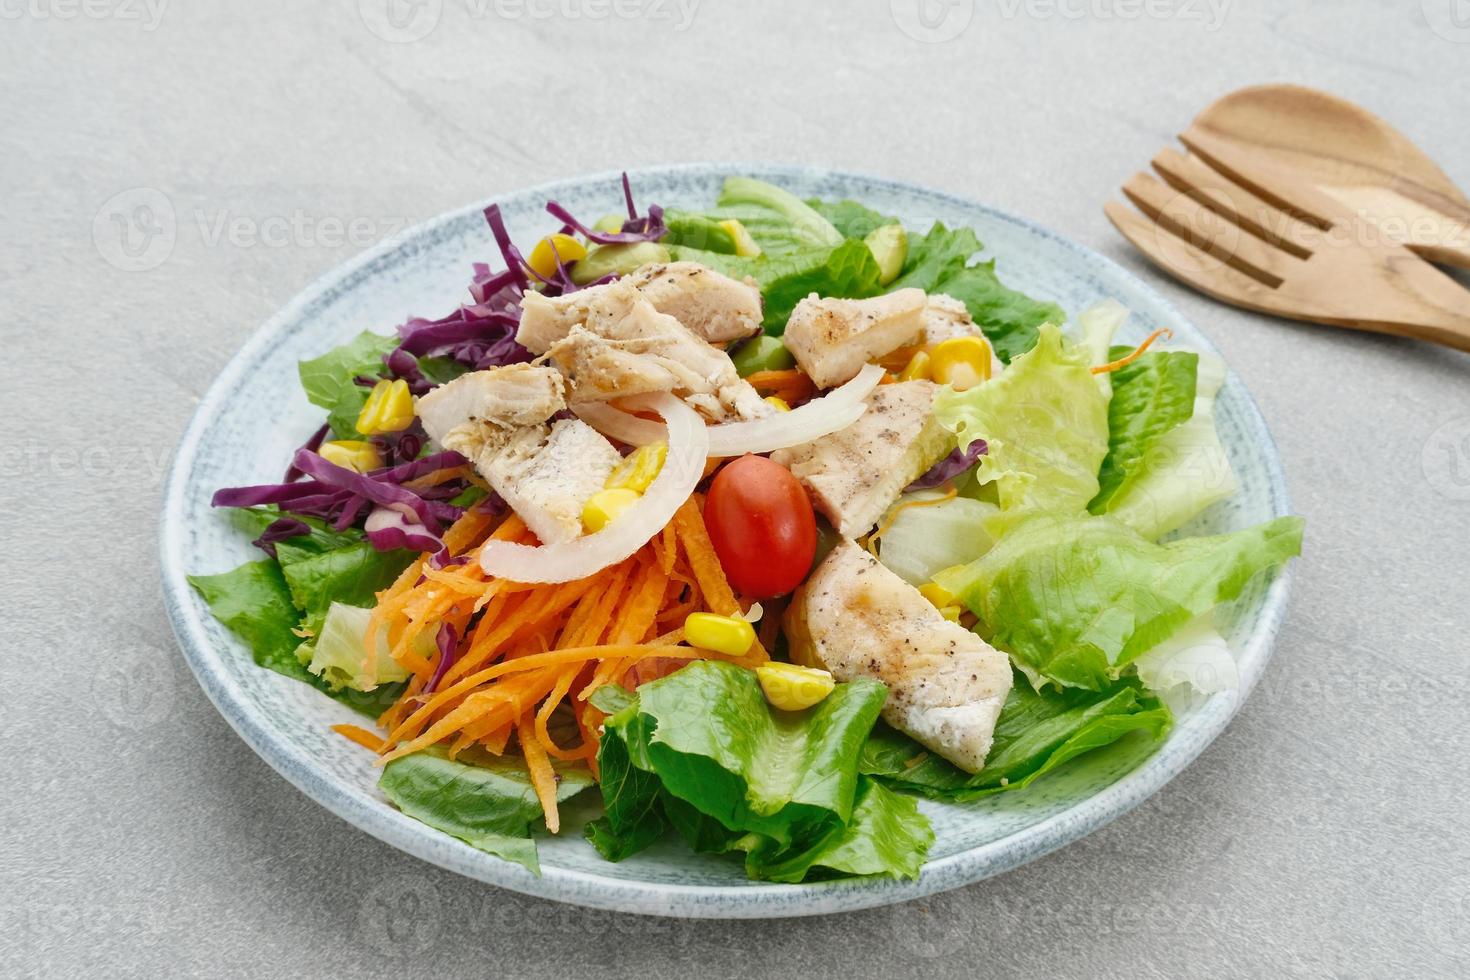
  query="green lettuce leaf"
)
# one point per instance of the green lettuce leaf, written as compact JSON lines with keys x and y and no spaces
{"x":336,"y":654}
{"x":1182,"y":471}
{"x":1045,"y":422}
{"x":851,"y":219}
{"x":1075,"y":600}
{"x":255,"y":603}
{"x":1037,"y":732}
{"x":1150,"y":396}
{"x":353,"y":575}
{"x":886,"y":835}
{"x":735,"y":775}
{"x":485,"y":801}
{"x":921,"y":541}
{"x":323,"y":378}
{"x":778,"y":220}
{"x":1010,"y":319}
{"x":936,"y":257}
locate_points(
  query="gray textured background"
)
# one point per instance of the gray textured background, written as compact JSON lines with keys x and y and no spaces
{"x":1323,"y":834}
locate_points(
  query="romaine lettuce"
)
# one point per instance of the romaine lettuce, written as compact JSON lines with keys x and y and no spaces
{"x":1045,"y":421}
{"x":1037,"y":732}
{"x":733,"y":774}
{"x":1150,"y":396}
{"x":485,"y":801}
{"x":923,"y":540}
{"x":337,"y":653}
{"x":1075,"y":600}
{"x":1183,"y":471}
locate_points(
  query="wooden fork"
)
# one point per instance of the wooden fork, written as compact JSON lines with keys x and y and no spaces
{"x":1247,"y":231}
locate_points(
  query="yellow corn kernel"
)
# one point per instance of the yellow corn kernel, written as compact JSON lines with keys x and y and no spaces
{"x":389,"y":409}
{"x":951,"y":613}
{"x":917,"y":369}
{"x":937,"y":594}
{"x":744,"y":244}
{"x":722,"y":634}
{"x":792,"y":688}
{"x":960,"y":362}
{"x":779,"y":404}
{"x":604,"y":506}
{"x":638,"y":468}
{"x":361,"y":457}
{"x":543,"y":259}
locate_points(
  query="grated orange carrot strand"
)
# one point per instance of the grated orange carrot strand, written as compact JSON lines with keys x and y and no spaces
{"x":1137,"y":352}
{"x":368,"y":740}
{"x":543,"y":777}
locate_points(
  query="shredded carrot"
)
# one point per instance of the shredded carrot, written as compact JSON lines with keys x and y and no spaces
{"x":529,"y":652}
{"x":887,"y":525}
{"x":543,"y":777}
{"x":1137,"y":352}
{"x":790,"y":385}
{"x":363,"y":737}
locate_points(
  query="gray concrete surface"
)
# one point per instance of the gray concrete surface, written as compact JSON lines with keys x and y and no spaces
{"x":1322,"y":835}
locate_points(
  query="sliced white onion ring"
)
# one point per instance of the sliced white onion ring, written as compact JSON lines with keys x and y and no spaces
{"x":835,"y":410}
{"x":591,"y":553}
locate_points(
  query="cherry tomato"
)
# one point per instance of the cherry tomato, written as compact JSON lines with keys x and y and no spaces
{"x":762,"y":526}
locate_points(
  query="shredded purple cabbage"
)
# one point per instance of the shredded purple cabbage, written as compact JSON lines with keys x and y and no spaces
{"x":949,"y":467}
{"x":448,"y":644}
{"x":345,"y":498}
{"x":635,"y":229}
{"x":312,"y":444}
{"x":280,"y":530}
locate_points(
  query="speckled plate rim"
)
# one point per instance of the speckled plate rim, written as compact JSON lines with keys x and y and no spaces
{"x":578,"y":887}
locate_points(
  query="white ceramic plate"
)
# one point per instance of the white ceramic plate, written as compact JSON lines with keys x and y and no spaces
{"x":255,"y":415}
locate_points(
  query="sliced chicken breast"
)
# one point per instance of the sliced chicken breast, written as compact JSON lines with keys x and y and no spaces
{"x":547,"y":474}
{"x":481,"y":410}
{"x":946,"y":686}
{"x":946,"y":318}
{"x":714,"y":307}
{"x":832,"y":339}
{"x":854,"y":474}
{"x":626,"y":346}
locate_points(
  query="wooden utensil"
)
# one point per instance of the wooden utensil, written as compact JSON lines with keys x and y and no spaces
{"x":1354,"y":157}
{"x":1244,"y":225}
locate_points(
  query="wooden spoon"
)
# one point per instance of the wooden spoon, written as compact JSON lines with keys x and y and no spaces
{"x":1351,"y":155}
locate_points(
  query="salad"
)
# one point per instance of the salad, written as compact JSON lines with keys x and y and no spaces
{"x":759,"y":523}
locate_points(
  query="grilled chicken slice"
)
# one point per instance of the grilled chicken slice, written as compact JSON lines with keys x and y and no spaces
{"x":946,"y":686}
{"x":627,"y":347}
{"x":832,"y":339}
{"x":946,"y":318}
{"x":854,"y":474}
{"x":714,"y":307}
{"x":480,"y":411}
{"x":547,"y":474}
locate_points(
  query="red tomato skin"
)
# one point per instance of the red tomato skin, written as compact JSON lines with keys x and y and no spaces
{"x":762,"y":526}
